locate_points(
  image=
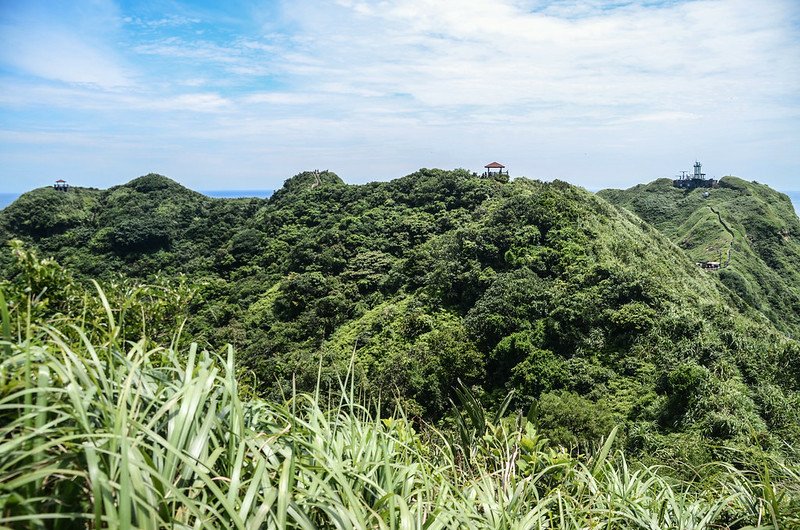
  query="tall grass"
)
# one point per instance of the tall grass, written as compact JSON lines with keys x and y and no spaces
{"x":104,"y":433}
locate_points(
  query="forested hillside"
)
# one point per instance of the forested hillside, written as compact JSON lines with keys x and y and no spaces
{"x":751,"y":229}
{"x":590,"y":315}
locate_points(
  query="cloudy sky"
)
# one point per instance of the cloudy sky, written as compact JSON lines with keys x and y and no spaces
{"x":242,"y":95}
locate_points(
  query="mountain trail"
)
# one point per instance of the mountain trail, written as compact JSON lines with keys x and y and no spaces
{"x":727,"y":229}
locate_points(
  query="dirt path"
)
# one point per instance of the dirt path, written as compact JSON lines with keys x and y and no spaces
{"x":727,"y":229}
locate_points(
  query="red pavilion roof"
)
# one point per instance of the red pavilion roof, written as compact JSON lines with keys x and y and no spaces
{"x":494,"y":165}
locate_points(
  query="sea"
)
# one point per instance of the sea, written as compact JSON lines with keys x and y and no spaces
{"x":795,"y":196}
{"x":8,"y":198}
{"x":238,"y":194}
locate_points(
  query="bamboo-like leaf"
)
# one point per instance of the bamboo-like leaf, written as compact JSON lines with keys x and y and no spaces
{"x":5,"y":319}
{"x":285,"y":490}
{"x":600,"y":457}
{"x":501,"y":410}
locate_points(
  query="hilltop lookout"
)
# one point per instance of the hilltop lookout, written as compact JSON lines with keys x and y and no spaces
{"x":61,"y":185}
{"x":695,"y":180}
{"x":495,"y":165}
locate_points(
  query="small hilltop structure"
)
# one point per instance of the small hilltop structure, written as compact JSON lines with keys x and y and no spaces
{"x":61,"y":185}
{"x":494,"y":165}
{"x":494,"y":170}
{"x":709,"y":265}
{"x":690,"y":181}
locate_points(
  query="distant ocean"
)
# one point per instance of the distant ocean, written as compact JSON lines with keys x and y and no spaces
{"x":7,"y":198}
{"x":795,"y":196}
{"x":238,"y":194}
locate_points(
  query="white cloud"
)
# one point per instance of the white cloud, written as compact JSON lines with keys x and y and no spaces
{"x":56,"y":54}
{"x":201,"y":102}
{"x":668,"y":116}
{"x":170,"y":21}
{"x":484,"y":53}
{"x":562,"y":88}
{"x":282,"y":98}
{"x":89,"y":98}
{"x":37,"y":40}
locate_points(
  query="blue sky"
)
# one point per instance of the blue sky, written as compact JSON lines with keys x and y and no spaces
{"x":221,"y":95}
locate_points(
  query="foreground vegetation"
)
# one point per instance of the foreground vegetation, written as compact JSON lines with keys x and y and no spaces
{"x":100,"y":426}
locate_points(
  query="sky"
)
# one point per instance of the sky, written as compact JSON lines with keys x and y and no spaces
{"x":243,"y":95}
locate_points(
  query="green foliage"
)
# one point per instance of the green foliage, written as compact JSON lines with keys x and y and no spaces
{"x":143,"y":235}
{"x":514,"y":301}
{"x":47,"y":212}
{"x":570,"y":420}
{"x":751,"y":229}
{"x":102,"y":427}
{"x":539,"y":288}
{"x":413,"y":355}
{"x":536,"y":370}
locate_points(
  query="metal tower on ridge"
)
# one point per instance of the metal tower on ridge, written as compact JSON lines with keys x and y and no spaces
{"x":698,"y":174}
{"x":694,"y":180}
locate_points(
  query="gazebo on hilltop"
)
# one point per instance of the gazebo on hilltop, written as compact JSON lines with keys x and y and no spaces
{"x":61,"y":185}
{"x":495,"y":165}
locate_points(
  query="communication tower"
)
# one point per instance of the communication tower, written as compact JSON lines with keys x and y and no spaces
{"x":694,"y":180}
{"x":698,"y":173}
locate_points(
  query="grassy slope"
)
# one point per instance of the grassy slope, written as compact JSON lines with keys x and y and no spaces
{"x":751,"y":229}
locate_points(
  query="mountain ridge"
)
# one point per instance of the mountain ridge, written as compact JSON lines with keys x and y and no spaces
{"x":440,"y":276}
{"x":750,"y":229}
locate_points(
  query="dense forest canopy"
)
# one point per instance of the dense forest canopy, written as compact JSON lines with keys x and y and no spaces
{"x":589,"y":314}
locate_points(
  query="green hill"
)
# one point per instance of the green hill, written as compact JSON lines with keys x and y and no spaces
{"x":749,"y":228}
{"x":590,"y":315}
{"x":148,"y":225}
